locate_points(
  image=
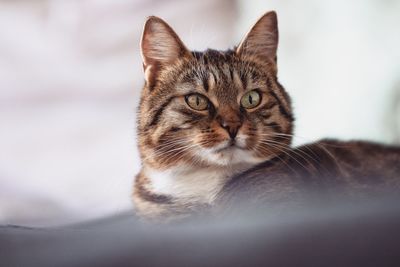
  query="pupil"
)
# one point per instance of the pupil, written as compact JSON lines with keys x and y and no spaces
{"x":197,"y":100}
{"x":250,"y":99}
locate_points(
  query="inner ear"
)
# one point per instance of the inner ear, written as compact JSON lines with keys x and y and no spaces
{"x":160,"y":46}
{"x":262,"y":39}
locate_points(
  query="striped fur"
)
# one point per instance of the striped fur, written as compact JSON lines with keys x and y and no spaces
{"x":188,"y":155}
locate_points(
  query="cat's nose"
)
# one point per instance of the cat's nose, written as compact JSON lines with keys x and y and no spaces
{"x":232,"y":127}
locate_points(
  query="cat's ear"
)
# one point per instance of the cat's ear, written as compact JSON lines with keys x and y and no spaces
{"x":160,"y":46}
{"x":262,"y":39}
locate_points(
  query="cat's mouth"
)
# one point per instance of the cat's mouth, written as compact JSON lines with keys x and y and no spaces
{"x":230,"y":146}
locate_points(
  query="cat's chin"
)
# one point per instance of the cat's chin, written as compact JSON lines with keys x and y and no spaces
{"x":228,"y":156}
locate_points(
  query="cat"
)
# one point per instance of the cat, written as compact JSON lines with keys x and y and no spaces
{"x":216,"y":125}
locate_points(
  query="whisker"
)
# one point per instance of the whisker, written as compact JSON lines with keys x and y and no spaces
{"x":264,"y":149}
{"x":282,"y":149}
{"x":303,"y":155}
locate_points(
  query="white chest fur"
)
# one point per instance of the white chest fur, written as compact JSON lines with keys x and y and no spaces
{"x":191,"y":184}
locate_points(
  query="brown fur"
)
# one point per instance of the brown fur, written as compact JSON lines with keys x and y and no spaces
{"x":348,"y":169}
{"x":182,"y":143}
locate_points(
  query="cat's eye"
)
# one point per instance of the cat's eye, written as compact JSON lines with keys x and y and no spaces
{"x":197,"y":101}
{"x":251,"y":99}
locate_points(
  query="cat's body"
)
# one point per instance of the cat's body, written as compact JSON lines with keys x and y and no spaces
{"x":326,"y":169}
{"x":215,"y":124}
{"x":350,"y":169}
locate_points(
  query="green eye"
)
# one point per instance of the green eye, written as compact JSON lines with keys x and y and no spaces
{"x":251,"y":99}
{"x":197,"y":101}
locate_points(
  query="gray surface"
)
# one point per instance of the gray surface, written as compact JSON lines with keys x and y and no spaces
{"x":365,"y":234}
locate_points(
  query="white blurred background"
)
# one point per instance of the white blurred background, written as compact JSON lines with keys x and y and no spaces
{"x":71,"y":74}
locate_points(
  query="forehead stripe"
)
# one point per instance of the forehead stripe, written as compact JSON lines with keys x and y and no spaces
{"x":205,"y":83}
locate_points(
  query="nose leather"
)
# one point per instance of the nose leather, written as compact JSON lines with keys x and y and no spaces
{"x":231,"y":122}
{"x":231,"y":127}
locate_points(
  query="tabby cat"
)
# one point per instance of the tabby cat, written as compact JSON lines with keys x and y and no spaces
{"x":213,"y":125}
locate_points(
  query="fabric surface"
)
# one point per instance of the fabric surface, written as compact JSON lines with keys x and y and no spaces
{"x":343,"y":236}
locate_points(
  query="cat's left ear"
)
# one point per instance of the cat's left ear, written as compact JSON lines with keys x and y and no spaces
{"x":262,"y":39}
{"x":160,"y":46}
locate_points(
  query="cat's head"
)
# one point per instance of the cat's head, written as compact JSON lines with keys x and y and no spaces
{"x":212,"y":107}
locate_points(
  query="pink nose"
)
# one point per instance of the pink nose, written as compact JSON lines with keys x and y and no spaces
{"x":231,"y":126}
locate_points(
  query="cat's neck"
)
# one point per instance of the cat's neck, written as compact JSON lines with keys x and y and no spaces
{"x":179,"y":191}
{"x":191,"y":184}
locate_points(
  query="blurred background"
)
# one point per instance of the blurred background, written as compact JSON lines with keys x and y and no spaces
{"x":71,"y":74}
